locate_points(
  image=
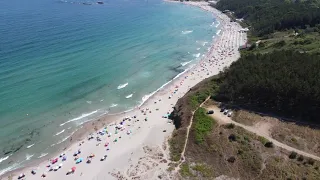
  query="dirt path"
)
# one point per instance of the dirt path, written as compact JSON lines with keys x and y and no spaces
{"x":261,"y":130}
{"x":182,"y":159}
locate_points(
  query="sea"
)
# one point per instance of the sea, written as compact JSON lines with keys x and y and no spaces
{"x":66,"y":62}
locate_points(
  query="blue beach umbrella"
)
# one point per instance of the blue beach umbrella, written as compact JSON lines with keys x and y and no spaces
{"x":79,"y":160}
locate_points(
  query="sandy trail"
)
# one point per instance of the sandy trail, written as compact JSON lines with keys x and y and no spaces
{"x":261,"y":129}
{"x":183,"y":158}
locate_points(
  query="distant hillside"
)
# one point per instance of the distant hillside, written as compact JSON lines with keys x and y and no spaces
{"x":267,"y":16}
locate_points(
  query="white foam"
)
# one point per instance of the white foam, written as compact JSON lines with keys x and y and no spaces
{"x":218,"y":32}
{"x":28,"y":157}
{"x":59,"y":132}
{"x":4,"y":158}
{"x":52,"y":145}
{"x":42,"y":155}
{"x":80,"y":117}
{"x":64,"y":139}
{"x":122,"y":86}
{"x":218,"y":24}
{"x":146,"y":97}
{"x":129,"y":96}
{"x":10,"y":168}
{"x":185,"y":63}
{"x":212,"y":24}
{"x":204,"y":43}
{"x":186,"y":32}
{"x":30,"y":146}
{"x":114,"y":105}
{"x":196,"y":55}
{"x":89,"y":102}
{"x":198,"y":49}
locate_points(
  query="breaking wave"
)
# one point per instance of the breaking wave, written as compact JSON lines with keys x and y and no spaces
{"x":122,"y":86}
{"x":59,"y":132}
{"x":80,"y":117}
{"x":186,"y":32}
{"x":113,"y":105}
{"x":28,"y":156}
{"x":196,"y":55}
{"x":4,"y":158}
{"x":129,"y":96}
{"x":185,"y":63}
{"x":30,"y":146}
{"x":42,"y":155}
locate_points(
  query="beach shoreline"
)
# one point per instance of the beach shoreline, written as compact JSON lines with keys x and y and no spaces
{"x":194,"y":75}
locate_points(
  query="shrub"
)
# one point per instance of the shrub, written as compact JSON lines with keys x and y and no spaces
{"x":293,"y":155}
{"x":269,"y":144}
{"x":280,"y":43}
{"x":300,"y":158}
{"x":263,"y":140}
{"x":231,"y":159}
{"x":232,"y":137}
{"x":310,"y":161}
{"x":230,"y":126}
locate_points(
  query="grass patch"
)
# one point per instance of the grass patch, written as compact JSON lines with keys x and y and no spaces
{"x":176,"y":143}
{"x":203,"y":124}
{"x":263,"y":140}
{"x":185,"y":170}
{"x":203,"y":169}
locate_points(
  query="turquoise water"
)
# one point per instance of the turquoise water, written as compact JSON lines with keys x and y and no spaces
{"x":63,"y":63}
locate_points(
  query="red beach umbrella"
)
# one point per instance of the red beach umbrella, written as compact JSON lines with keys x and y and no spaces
{"x":73,"y":168}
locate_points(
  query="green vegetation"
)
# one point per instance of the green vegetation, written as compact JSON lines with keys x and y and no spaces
{"x":275,"y":82}
{"x":176,"y":143}
{"x":306,"y":40}
{"x":269,"y":144}
{"x":267,"y":16}
{"x":203,"y":169}
{"x":262,"y":140}
{"x":185,"y":170}
{"x":300,"y":158}
{"x":293,"y":155}
{"x":202,"y":124}
{"x":182,"y":114}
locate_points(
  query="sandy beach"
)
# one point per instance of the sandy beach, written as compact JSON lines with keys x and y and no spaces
{"x":134,"y":143}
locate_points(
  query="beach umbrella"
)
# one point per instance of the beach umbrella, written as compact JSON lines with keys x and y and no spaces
{"x":33,"y":172}
{"x":56,"y":168}
{"x":73,"y":169}
{"x":79,"y":160}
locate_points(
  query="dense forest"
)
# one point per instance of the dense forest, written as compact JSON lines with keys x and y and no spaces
{"x":282,"y":82}
{"x":266,"y":16}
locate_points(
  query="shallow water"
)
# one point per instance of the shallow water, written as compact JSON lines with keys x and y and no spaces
{"x":63,"y":63}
